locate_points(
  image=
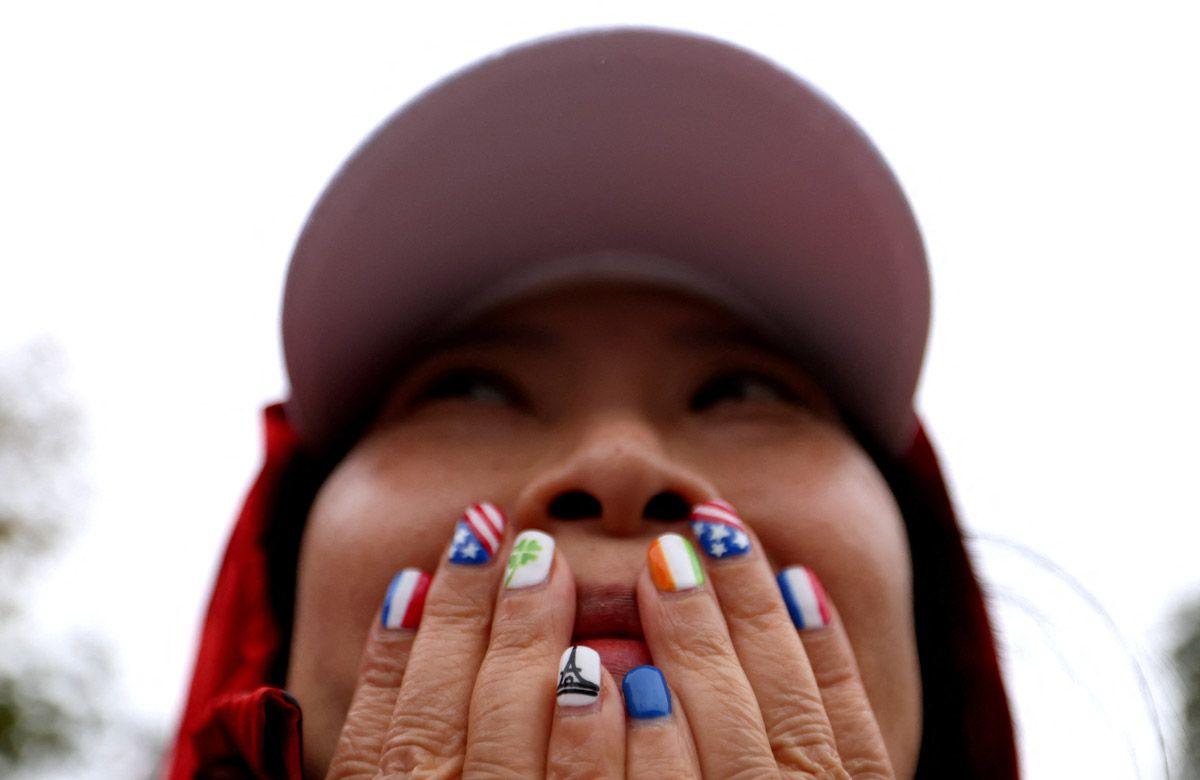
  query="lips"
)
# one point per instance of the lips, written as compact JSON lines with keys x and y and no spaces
{"x":606,"y":620}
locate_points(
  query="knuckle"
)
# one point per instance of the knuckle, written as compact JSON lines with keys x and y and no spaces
{"x":351,"y":765}
{"x":458,"y":607}
{"x":422,"y":741}
{"x":759,"y":616}
{"x":518,"y":641}
{"x":381,"y":671}
{"x":836,"y":675}
{"x":494,"y":766}
{"x":662,"y":766}
{"x":697,"y":648}
{"x":868,"y":768}
{"x":574,"y":761}
{"x":802,"y":739}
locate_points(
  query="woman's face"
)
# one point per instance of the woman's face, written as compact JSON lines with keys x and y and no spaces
{"x":600,"y":415}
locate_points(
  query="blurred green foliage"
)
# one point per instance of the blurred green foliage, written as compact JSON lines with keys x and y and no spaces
{"x":44,"y":708}
{"x":1187,"y":664}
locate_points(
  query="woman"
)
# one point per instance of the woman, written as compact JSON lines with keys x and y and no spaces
{"x":573,"y":315}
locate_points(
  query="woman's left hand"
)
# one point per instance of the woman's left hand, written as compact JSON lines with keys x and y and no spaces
{"x":769,"y":685}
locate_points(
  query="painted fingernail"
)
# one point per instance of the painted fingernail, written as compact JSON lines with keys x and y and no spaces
{"x":477,"y":535}
{"x":804,"y":596}
{"x":529,"y":563}
{"x":578,"y":677}
{"x":646,"y":694}
{"x":719,"y":530}
{"x":405,"y":599}
{"x":673,"y":563}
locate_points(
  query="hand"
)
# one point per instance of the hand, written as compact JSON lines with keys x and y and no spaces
{"x":473,"y":690}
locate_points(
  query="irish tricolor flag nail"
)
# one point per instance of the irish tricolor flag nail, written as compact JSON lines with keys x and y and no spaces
{"x":673,"y":563}
{"x":405,"y":599}
{"x":804,"y":596}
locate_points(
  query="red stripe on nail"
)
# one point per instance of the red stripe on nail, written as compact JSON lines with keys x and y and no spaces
{"x":820,"y":594}
{"x":416,"y":604}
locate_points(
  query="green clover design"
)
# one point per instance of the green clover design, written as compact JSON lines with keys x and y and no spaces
{"x":524,"y":553}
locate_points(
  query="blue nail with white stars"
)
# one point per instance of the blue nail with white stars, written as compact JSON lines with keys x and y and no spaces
{"x":478,"y":535}
{"x":719,"y":531}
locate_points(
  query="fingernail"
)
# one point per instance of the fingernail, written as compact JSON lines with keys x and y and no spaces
{"x":405,"y":599}
{"x":477,"y":535}
{"x":529,"y":563}
{"x":804,"y":596}
{"x":719,"y":530}
{"x":578,"y":677}
{"x":646,"y":694}
{"x":673,"y":563}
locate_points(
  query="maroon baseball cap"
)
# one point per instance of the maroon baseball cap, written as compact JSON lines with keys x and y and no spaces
{"x":628,"y":152}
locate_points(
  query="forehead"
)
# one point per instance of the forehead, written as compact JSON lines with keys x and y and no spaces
{"x":608,"y":314}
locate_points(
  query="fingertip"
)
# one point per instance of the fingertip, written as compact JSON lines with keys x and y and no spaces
{"x":807,"y":603}
{"x":404,"y":601}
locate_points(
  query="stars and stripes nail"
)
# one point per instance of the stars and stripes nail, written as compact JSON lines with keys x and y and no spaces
{"x":405,"y":599}
{"x":719,"y":530}
{"x":804,"y":596}
{"x":673,"y":563}
{"x":478,"y":534}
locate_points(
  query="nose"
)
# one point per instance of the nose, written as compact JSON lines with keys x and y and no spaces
{"x":619,"y":475}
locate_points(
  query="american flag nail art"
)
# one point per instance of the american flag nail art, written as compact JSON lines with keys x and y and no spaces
{"x":477,"y":535}
{"x":719,"y":530}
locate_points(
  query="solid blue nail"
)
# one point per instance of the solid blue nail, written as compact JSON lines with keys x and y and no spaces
{"x":646,"y":694}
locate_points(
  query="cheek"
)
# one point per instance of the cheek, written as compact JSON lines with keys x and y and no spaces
{"x":829,"y":508}
{"x":370,"y":519}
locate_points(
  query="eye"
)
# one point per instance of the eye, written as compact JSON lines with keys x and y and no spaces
{"x":741,"y":386}
{"x":473,"y":384}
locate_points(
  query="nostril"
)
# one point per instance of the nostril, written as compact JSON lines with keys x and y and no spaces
{"x":575,"y":505}
{"x":667,"y":507}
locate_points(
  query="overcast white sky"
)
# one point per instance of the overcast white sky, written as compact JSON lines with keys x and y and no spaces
{"x":157,"y":161}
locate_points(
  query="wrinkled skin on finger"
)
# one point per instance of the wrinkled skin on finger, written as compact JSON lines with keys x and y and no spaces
{"x":623,"y":393}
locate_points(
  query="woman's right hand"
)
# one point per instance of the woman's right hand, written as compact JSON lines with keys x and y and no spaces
{"x":472,"y":690}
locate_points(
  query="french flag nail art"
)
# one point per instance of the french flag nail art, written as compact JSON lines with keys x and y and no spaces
{"x":804,"y":596}
{"x":477,"y":535}
{"x":719,"y":530}
{"x":405,"y":599}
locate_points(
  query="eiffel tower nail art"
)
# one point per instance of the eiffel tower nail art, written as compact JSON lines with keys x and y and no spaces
{"x":578,"y":677}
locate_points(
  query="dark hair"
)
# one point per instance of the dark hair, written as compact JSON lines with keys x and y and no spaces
{"x":967,"y":728}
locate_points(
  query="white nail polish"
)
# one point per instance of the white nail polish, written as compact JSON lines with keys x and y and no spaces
{"x":578,"y":677}
{"x":530,"y":560}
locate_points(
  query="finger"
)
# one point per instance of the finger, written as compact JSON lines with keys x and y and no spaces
{"x":379,"y":675}
{"x":859,"y":739}
{"x":658,"y":742}
{"x":690,"y":643}
{"x":767,"y":644}
{"x":427,"y":730}
{"x":587,"y":737}
{"x":513,"y":702}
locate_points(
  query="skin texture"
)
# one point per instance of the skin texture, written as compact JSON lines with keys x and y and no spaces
{"x":608,"y":402}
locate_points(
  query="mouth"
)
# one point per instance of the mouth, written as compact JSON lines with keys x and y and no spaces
{"x":606,"y":620}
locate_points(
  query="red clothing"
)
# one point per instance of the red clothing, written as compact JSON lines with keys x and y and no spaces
{"x":239,"y":723}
